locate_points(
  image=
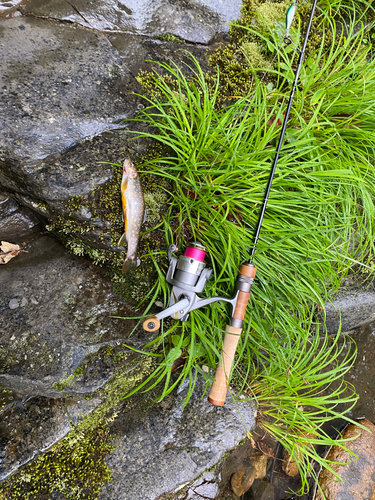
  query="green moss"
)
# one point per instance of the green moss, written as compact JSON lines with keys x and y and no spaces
{"x":42,"y":205}
{"x":147,"y":80}
{"x":61,"y":386}
{"x":79,"y":371}
{"x":6,"y":397}
{"x":248,"y":51}
{"x":168,"y":37}
{"x":76,"y":465}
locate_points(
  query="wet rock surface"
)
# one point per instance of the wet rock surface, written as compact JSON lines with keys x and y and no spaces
{"x":60,"y":86}
{"x":204,"y":487}
{"x":17,"y":224}
{"x":194,"y":21}
{"x":172,"y":445}
{"x":358,"y":478}
{"x":136,"y":52}
{"x":362,"y":374}
{"x":352,"y":308}
{"x":54,"y":313}
{"x":28,"y":427}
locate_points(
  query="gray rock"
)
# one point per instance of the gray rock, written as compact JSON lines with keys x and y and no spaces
{"x":172,"y":445}
{"x":55,"y":315}
{"x":195,"y":21}
{"x":16,"y":224}
{"x":13,"y":304}
{"x":353,"y":309}
{"x":7,"y":206}
{"x":205,"y":487}
{"x":28,"y":427}
{"x":77,"y":410}
{"x":59,"y":86}
{"x":136,"y":52}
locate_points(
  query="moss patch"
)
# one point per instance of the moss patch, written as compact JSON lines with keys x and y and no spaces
{"x":249,"y":53}
{"x":76,"y":465}
{"x":168,"y":37}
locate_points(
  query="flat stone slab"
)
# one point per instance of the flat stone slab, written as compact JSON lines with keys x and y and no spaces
{"x":195,"y":21}
{"x":55,"y":315}
{"x":28,"y":427}
{"x":351,"y":309}
{"x":172,"y":445}
{"x":59,"y":85}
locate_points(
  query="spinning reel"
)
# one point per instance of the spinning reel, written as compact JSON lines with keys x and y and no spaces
{"x":189,"y":275}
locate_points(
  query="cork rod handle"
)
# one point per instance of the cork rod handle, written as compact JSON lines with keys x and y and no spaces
{"x":232,"y":335}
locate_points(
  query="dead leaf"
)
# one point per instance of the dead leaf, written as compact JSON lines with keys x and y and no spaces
{"x":8,"y":251}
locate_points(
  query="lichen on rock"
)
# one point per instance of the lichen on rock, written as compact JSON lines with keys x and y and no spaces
{"x":76,"y":465}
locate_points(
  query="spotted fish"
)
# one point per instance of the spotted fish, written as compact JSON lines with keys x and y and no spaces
{"x":133,"y":210}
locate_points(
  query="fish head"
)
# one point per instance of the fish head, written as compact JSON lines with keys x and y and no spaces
{"x":129,"y":169}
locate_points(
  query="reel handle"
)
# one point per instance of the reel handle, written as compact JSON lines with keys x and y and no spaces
{"x":220,"y":385}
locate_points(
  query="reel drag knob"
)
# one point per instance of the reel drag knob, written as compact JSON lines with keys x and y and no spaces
{"x":151,"y":324}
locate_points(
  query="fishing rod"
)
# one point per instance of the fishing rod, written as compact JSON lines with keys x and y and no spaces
{"x":188,"y":274}
{"x":247,"y":271}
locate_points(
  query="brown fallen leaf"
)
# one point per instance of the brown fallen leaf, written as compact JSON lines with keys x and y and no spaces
{"x":179,"y":362}
{"x":8,"y":251}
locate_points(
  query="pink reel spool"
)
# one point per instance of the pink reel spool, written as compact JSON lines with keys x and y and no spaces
{"x":195,"y":253}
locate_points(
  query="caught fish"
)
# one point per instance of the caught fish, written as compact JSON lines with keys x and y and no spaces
{"x":133,"y":210}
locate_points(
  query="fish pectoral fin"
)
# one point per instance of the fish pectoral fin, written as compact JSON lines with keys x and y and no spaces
{"x":144,"y":216}
{"x":122,"y":241}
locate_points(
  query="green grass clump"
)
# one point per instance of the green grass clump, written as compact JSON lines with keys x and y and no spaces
{"x":318,"y":225}
{"x":254,"y":40}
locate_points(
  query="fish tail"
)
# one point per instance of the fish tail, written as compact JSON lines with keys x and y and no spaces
{"x":130,"y":263}
{"x":122,"y":240}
